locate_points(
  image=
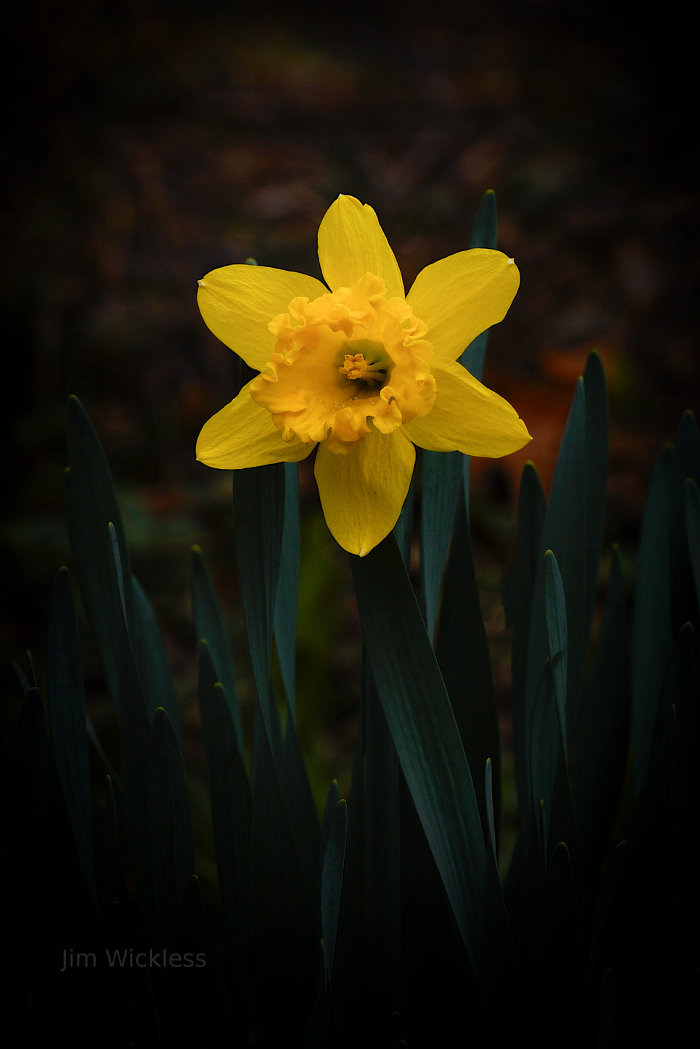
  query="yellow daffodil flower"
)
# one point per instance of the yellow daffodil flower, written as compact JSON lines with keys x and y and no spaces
{"x":362,"y":372}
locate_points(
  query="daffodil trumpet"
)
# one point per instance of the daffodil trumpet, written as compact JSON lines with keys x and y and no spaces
{"x":357,"y":369}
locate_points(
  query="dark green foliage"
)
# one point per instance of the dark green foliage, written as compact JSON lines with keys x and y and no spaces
{"x":393,"y":920}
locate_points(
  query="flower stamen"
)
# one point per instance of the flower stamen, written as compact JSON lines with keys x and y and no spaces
{"x":368,"y":363}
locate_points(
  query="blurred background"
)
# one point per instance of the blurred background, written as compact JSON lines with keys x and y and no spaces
{"x":146,"y":143}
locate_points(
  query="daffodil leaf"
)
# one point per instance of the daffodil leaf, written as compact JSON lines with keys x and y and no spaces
{"x":436,"y":971}
{"x":602,"y":740}
{"x":441,"y":488}
{"x":91,"y":503}
{"x":258,"y":522}
{"x":287,"y":594}
{"x":518,"y":593}
{"x":652,"y":616}
{"x":196,"y":1004}
{"x":557,"y":635}
{"x":332,"y":883}
{"x":52,"y":909}
{"x":556,"y":966}
{"x":463,"y":655}
{"x":134,"y":723}
{"x":68,"y":720}
{"x":485,"y":230}
{"x":101,"y":555}
{"x":350,"y":956}
{"x":545,"y":743}
{"x":573,"y":527}
{"x":665,"y":807}
{"x":170,"y":829}
{"x":552,"y":806}
{"x":209,"y":626}
{"x":597,"y":440}
{"x":605,"y":1015}
{"x":490,"y":818}
{"x":283,"y":922}
{"x":300,"y":805}
{"x":231,"y":814}
{"x":610,"y":914}
{"x":685,"y":464}
{"x":692,"y":526}
{"x":112,"y":881}
{"x":564,"y":533}
{"x":500,"y":974}
{"x":424,"y":730}
{"x":382,"y":890}
{"x":152,"y":659}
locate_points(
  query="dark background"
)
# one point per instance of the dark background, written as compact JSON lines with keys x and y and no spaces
{"x":146,"y":144}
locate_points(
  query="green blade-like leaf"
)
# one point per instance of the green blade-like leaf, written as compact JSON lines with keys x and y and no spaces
{"x":500,"y":962}
{"x":134,"y":725}
{"x":332,"y":883}
{"x":424,"y":730}
{"x":101,"y":555}
{"x":382,"y":856}
{"x":170,"y":830}
{"x":209,"y":625}
{"x":668,"y":800}
{"x":442,"y":482}
{"x":557,"y":636}
{"x":287,"y":595}
{"x":597,"y":427}
{"x":283,"y":921}
{"x":605,"y":1019}
{"x":566,"y":533}
{"x":556,"y":969}
{"x":68,"y":726}
{"x":258,"y":522}
{"x":685,"y":464}
{"x":300,"y":806}
{"x":113,"y":882}
{"x":91,"y":503}
{"x":652,"y":615}
{"x":518,"y":594}
{"x":193,"y":1006}
{"x":56,"y":918}
{"x":551,"y":789}
{"x":152,"y":660}
{"x":692,"y":525}
{"x":231,"y":815}
{"x":463,"y":654}
{"x":602,"y":742}
{"x":348,"y":986}
{"x":491,"y":822}
{"x":545,"y":747}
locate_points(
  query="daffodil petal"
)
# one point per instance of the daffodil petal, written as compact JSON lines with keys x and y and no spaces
{"x":238,"y":302}
{"x":462,"y":295}
{"x":243,"y":434}
{"x":351,"y":243}
{"x":467,"y":417}
{"x":362,"y":492}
